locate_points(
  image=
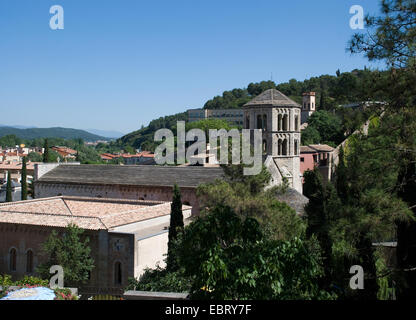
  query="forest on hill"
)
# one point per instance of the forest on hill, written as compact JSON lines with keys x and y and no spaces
{"x":332,"y":91}
{"x":57,"y":132}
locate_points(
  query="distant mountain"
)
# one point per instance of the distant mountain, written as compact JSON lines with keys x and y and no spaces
{"x":57,"y":132}
{"x":106,"y":133}
{"x":16,"y":126}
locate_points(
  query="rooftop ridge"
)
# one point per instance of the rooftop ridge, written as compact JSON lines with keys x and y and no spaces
{"x":272,"y":97}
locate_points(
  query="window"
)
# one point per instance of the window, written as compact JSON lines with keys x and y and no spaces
{"x":259,"y":122}
{"x":12,"y":256}
{"x":302,"y":159}
{"x":29,"y":261}
{"x":117,"y":273}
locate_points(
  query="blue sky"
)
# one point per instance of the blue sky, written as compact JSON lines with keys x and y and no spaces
{"x":119,"y":64}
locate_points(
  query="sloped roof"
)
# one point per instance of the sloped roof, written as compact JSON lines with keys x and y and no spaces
{"x":272,"y":97}
{"x":87,"y":213}
{"x":321,"y":147}
{"x":144,"y":175}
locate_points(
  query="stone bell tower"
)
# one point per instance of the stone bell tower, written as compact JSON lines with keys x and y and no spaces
{"x":308,"y":105}
{"x":279,"y":119}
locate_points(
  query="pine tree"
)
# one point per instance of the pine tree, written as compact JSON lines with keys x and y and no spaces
{"x":9,"y":197}
{"x":176,"y":227}
{"x":24,"y":180}
{"x":46,"y":152}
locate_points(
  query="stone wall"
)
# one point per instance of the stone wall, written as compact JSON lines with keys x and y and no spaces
{"x":106,"y":249}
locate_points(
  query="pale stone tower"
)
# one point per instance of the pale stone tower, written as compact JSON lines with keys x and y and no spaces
{"x":308,"y":105}
{"x":279,"y":118}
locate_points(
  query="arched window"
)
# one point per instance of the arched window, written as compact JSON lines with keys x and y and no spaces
{"x":285,"y":122}
{"x":118,"y":276}
{"x":296,"y":123}
{"x":284,"y":147}
{"x":264,"y":147}
{"x":279,"y":147}
{"x":279,"y":122}
{"x":259,"y":122}
{"x":296,"y":147}
{"x":29,"y":261}
{"x":265,"y":122}
{"x":12,"y":261}
{"x":247,"y":122}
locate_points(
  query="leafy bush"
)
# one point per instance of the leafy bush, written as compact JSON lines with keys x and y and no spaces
{"x":31,"y":281}
{"x":64,"y":294}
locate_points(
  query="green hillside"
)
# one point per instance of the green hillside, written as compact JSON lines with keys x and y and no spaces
{"x":331,"y":91}
{"x":65,"y":133}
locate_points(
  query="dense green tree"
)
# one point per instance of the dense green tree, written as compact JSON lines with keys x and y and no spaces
{"x":310,"y":135}
{"x":321,"y":212}
{"x":9,"y":197}
{"x":341,"y":178}
{"x":71,"y":251}
{"x":35,"y":157}
{"x":176,"y":227}
{"x":231,"y":257}
{"x":328,"y":125}
{"x":24,"y":179}
{"x":406,"y":233}
{"x":247,"y":196}
{"x":391,"y":38}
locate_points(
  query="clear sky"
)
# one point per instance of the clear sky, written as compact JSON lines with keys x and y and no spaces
{"x":119,"y":64}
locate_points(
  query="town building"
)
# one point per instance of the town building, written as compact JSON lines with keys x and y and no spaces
{"x":234,"y":116}
{"x":16,"y":191}
{"x":125,"y":236}
{"x":136,"y":182}
{"x":142,"y":158}
{"x":15,"y":169}
{"x":308,"y":106}
{"x":65,"y":152}
{"x":278,"y":117}
{"x":317,"y":156}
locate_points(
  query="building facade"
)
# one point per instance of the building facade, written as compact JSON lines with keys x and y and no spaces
{"x":125,"y":236}
{"x":308,"y":105}
{"x":138,"y":182}
{"x":234,"y":116}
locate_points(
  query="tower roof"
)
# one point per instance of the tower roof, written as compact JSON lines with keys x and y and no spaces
{"x":273,"y":98}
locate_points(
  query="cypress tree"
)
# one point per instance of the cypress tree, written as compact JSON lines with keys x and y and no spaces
{"x":341,"y":176}
{"x":318,"y":218}
{"x":46,"y":152}
{"x":176,"y":227}
{"x":24,"y":180}
{"x":9,"y":197}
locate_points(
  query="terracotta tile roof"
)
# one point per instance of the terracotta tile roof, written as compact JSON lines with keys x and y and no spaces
{"x":321,"y":147}
{"x":314,"y":148}
{"x":307,"y":149}
{"x":16,"y":165}
{"x":87,"y":213}
{"x":64,"y":150}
